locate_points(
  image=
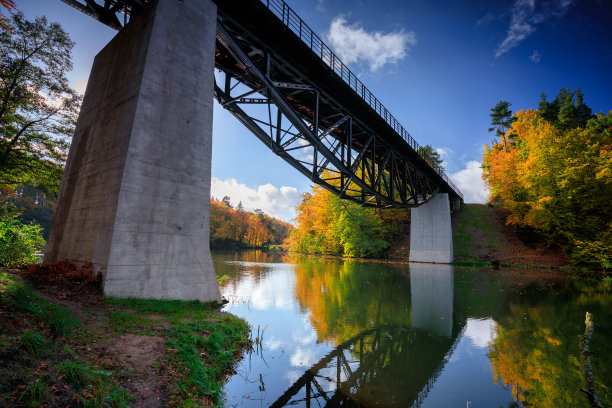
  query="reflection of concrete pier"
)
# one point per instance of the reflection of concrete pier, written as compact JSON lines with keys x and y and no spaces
{"x":431,"y":293}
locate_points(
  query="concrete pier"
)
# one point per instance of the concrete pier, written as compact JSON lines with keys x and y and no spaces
{"x":431,"y":236}
{"x":135,"y":195}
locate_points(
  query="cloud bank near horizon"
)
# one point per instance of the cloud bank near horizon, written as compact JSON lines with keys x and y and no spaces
{"x":277,"y":202}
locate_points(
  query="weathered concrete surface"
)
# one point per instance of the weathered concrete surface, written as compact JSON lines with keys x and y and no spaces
{"x":431,"y":297}
{"x":431,"y":237}
{"x":135,"y":195}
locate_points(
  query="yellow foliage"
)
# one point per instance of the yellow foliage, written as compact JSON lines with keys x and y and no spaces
{"x":558,"y":181}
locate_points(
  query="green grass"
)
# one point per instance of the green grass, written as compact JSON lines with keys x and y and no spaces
{"x":123,"y":322}
{"x":202,"y":353}
{"x":475,"y":219}
{"x":94,"y":388}
{"x":34,"y":394}
{"x":59,"y":320}
{"x":166,"y":307}
{"x":33,"y":342}
{"x":97,"y":388}
{"x":201,"y":347}
{"x":77,"y":374}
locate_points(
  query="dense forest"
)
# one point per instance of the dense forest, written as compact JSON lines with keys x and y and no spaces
{"x":552,"y":168}
{"x":235,"y":227}
{"x":328,"y":225}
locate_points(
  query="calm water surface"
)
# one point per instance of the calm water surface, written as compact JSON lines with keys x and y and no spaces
{"x":356,"y":334}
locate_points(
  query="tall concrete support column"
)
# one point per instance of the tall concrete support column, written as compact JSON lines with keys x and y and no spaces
{"x":431,"y":237}
{"x":135,"y":195}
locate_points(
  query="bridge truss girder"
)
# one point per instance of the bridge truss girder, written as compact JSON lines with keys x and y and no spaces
{"x":310,"y":130}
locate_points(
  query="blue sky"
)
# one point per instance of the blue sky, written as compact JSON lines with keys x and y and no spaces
{"x":438,"y":66}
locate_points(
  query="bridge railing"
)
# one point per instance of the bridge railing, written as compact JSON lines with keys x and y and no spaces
{"x":312,"y":40}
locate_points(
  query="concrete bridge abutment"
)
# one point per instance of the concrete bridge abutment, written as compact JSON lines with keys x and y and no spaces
{"x":431,"y":236}
{"x":135,"y":195}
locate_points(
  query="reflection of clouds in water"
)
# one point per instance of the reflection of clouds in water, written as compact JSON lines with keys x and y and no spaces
{"x":263,"y":292}
{"x":293,"y":375}
{"x":481,"y":331}
{"x":283,"y":302}
{"x":305,"y":338}
{"x":272,"y":343}
{"x":303,"y":357}
{"x":329,"y":374}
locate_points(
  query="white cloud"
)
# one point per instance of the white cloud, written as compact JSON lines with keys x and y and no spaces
{"x":469,"y":181}
{"x":526,"y":15}
{"x":444,"y":152}
{"x":535,"y":57}
{"x":354,"y":44}
{"x":277,"y":202}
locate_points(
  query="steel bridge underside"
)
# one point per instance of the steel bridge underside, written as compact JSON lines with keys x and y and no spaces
{"x":286,"y":86}
{"x":310,"y":117}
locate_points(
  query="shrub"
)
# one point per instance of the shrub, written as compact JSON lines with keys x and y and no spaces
{"x":19,"y":242}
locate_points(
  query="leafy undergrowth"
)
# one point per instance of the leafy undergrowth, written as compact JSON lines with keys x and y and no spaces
{"x":62,"y":344}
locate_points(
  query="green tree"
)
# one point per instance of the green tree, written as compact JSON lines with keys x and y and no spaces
{"x":18,"y":242}
{"x":501,"y":119}
{"x":38,"y":108}
{"x":328,"y":225}
{"x":226,"y":201}
{"x":566,"y":111}
{"x":429,"y":151}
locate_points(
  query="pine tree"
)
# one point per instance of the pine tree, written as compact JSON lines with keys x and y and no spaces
{"x":502,"y":119}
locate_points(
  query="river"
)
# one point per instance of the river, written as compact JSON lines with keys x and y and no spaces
{"x":354,"y":334}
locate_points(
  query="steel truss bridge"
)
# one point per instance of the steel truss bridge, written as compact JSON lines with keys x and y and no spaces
{"x":366,"y":369}
{"x":279,"y":79}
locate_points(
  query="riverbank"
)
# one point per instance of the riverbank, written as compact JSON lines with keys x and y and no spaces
{"x":481,"y":238}
{"x":63,"y":344}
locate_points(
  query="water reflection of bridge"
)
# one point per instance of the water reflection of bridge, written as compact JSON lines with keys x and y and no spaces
{"x":388,"y":365}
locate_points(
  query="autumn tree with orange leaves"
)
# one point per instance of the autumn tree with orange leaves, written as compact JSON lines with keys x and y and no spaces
{"x":5,"y":23}
{"x":556,"y":176}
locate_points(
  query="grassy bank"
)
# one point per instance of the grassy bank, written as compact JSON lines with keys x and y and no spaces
{"x":63,"y":346}
{"x":481,"y":238}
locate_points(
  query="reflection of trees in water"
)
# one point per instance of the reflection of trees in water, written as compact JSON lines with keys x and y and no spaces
{"x":252,"y":256}
{"x":254,"y":262}
{"x":391,"y":364}
{"x":387,"y":366}
{"x":537,"y":349}
{"x":344,"y":299}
